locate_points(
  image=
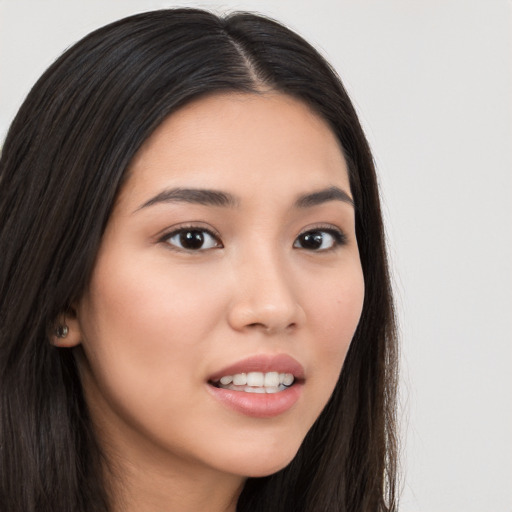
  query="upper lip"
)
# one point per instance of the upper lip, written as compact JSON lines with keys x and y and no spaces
{"x":281,"y":363}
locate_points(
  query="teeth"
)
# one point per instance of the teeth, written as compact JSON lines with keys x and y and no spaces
{"x":257,"y":382}
{"x":272,"y":379}
{"x":255,"y":379}
{"x":240,"y":379}
{"x":249,"y":389}
{"x":287,"y":379}
{"x":252,"y":389}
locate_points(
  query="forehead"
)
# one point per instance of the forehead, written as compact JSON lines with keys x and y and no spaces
{"x":239,"y":142}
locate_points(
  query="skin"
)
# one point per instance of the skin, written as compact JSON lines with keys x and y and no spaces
{"x":157,"y":320}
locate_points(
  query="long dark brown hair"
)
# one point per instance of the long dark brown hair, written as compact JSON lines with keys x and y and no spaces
{"x":63,"y":163}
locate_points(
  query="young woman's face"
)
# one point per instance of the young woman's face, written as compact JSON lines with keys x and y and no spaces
{"x":230,"y":254}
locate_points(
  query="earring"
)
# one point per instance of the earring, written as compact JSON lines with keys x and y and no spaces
{"x":62,"y":331}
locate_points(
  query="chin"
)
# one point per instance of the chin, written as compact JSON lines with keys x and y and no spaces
{"x":266,"y":470}
{"x":262,"y":464}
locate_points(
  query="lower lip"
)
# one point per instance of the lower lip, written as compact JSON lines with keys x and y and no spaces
{"x":258,"y":405}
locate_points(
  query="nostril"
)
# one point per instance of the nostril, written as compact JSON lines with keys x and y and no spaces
{"x":260,"y":325}
{"x":253,"y":316}
{"x":269,"y":329}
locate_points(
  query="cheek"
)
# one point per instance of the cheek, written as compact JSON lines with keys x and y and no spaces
{"x":143,"y":319}
{"x":150,"y":301}
{"x":337,"y":305}
{"x":148,"y":328}
{"x":145,"y":335}
{"x":334,"y":316}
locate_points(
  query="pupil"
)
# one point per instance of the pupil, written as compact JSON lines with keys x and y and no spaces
{"x":312,"y":240}
{"x":192,"y":239}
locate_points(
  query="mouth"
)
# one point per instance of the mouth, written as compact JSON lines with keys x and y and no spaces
{"x":255,"y":382}
{"x":262,"y":386}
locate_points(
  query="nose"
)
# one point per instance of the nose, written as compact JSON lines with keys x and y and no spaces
{"x":265,"y":297}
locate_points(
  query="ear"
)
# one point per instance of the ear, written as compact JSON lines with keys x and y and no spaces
{"x":66,"y":331}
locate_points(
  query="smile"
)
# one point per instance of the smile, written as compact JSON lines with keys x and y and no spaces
{"x":256,"y":382}
{"x":262,"y":386}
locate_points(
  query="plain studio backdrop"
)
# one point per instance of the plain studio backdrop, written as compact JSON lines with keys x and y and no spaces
{"x":432,"y":81}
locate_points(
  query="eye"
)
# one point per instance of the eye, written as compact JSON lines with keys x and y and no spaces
{"x":320,"y":239}
{"x":193,"y":239}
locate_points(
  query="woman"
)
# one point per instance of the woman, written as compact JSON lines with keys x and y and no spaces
{"x":195,"y":305}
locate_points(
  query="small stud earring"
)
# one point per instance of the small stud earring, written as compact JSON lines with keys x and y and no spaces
{"x":62,"y":331}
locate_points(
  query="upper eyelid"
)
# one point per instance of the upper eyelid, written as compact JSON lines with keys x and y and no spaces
{"x":322,"y":227}
{"x":170,"y":231}
{"x":340,"y":236}
{"x":165,"y":239}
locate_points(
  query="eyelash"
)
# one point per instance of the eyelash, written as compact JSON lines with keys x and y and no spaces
{"x":189,"y":229}
{"x":338,"y":238}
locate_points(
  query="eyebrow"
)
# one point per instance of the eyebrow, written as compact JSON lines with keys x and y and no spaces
{"x":323,"y":196}
{"x":224,"y":199}
{"x":193,"y":195}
